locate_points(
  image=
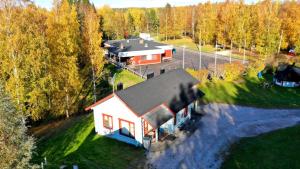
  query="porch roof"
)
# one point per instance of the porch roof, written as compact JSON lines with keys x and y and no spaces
{"x":158,"y":116}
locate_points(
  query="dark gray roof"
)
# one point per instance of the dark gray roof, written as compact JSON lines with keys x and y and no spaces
{"x":132,"y":45}
{"x":289,"y":73}
{"x":173,"y":88}
{"x":158,"y":116}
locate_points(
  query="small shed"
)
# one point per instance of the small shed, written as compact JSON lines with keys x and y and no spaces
{"x":287,"y":76}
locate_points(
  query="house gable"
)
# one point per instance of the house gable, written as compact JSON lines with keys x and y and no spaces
{"x":118,"y":110}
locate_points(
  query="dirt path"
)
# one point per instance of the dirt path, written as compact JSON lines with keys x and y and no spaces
{"x":220,"y":126}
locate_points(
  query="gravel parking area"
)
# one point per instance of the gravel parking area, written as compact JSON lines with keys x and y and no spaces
{"x":220,"y":126}
{"x":192,"y":60}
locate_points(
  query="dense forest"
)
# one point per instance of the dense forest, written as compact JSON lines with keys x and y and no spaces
{"x":265,"y":27}
{"x":51,"y":59}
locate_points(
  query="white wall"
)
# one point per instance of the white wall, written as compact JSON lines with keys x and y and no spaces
{"x":117,"y":109}
{"x":180,"y":119}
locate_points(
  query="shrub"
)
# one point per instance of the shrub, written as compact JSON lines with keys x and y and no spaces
{"x":200,"y":75}
{"x":233,"y":71}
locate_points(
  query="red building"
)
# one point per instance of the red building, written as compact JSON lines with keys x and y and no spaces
{"x":138,"y":51}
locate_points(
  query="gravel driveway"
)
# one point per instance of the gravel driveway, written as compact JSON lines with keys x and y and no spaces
{"x":220,"y":126}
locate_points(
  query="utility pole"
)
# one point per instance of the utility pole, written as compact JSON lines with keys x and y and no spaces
{"x":200,"y":50}
{"x":183,"y":57}
{"x":113,"y":82}
{"x":230,"y":59}
{"x":244,"y":57}
{"x":216,"y":57}
{"x":166,"y":25}
{"x":193,"y":22}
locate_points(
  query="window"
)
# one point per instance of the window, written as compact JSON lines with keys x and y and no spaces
{"x":149,"y":57}
{"x":126,"y":128}
{"x":107,"y":121}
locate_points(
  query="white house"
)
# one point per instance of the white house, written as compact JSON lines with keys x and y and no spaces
{"x":150,"y":109}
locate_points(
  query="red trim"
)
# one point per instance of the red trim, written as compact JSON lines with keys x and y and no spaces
{"x":130,"y":123}
{"x":110,"y":118}
{"x":99,"y":102}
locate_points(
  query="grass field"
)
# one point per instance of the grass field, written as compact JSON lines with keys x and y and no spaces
{"x":78,"y":144}
{"x":250,"y":92}
{"x":127,"y":78}
{"x":276,"y":150}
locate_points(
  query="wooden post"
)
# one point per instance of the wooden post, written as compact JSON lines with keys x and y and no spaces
{"x":156,"y":135}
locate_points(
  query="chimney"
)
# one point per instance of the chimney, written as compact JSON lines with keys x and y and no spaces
{"x":119,"y":86}
{"x":150,"y":75}
{"x":121,"y":46}
{"x":162,"y":71}
{"x":141,"y":41}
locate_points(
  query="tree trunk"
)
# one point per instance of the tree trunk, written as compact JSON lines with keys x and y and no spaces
{"x":279,"y":47}
{"x":67,"y":104}
{"x":94,"y":84}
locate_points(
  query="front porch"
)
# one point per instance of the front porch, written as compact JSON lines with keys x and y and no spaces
{"x":182,"y":122}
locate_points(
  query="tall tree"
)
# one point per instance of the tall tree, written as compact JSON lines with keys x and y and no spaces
{"x":23,"y":41}
{"x":207,"y":22}
{"x":152,"y":20}
{"x":166,"y":21}
{"x":106,"y":18}
{"x":16,"y":145}
{"x":93,"y":41}
{"x":267,"y":27}
{"x":289,"y":14}
{"x":63,"y":39}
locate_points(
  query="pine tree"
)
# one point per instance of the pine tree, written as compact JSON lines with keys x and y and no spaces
{"x":16,"y":145}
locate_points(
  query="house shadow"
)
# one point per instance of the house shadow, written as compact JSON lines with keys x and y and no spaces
{"x":81,"y":146}
{"x":211,"y":139}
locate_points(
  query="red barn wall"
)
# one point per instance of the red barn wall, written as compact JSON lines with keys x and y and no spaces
{"x":137,"y":60}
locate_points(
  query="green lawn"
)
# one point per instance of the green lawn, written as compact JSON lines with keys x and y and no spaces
{"x":127,"y":78}
{"x":78,"y":144}
{"x":276,"y":150}
{"x":250,"y":92}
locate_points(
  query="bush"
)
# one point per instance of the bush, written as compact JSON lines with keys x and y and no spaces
{"x":200,"y":75}
{"x":233,"y":71}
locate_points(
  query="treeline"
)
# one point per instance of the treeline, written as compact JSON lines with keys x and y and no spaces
{"x":49,"y":59}
{"x":265,"y":27}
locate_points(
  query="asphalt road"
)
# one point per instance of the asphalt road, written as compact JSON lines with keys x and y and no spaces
{"x":191,"y":60}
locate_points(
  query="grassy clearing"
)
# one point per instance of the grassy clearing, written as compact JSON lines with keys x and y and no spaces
{"x":78,"y":144}
{"x":127,"y":78}
{"x":276,"y":150}
{"x":249,"y":92}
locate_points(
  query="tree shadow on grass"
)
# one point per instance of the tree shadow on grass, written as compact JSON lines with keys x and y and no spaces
{"x":80,"y":145}
{"x":251,"y":92}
